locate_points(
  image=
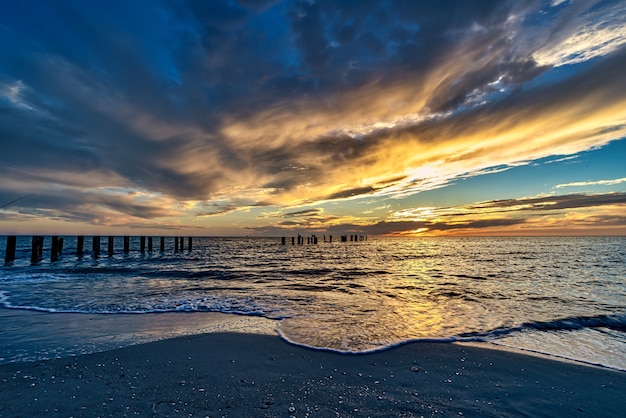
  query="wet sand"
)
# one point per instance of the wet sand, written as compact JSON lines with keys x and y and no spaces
{"x":246,"y":375}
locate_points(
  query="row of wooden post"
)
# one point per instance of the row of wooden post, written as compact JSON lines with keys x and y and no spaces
{"x":313,"y":239}
{"x":56,"y":246}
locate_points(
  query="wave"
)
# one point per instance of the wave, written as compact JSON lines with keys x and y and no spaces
{"x":616,"y":322}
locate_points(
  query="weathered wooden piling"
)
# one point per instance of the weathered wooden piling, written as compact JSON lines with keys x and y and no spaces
{"x":293,"y":240}
{"x":142,"y":244}
{"x":126,"y":245}
{"x":189,"y":244}
{"x":150,"y":244}
{"x":54,"y":248}
{"x":175,"y":244}
{"x":79,"y":245}
{"x":181,"y":243}
{"x":110,"y":245}
{"x":162,"y":244}
{"x":95,"y":246}
{"x":9,"y":256}
{"x":283,"y":241}
{"x":37,"y":249}
{"x":330,"y":238}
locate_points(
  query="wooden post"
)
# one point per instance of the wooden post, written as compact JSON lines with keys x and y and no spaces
{"x":149,"y":244}
{"x":10,"y":252}
{"x":79,"y":245}
{"x":162,"y":246}
{"x":175,"y":244}
{"x":37,"y":247}
{"x":142,"y":244}
{"x":110,"y":245}
{"x":95,"y":246}
{"x":189,"y":244}
{"x":293,"y":240}
{"x":330,"y":238}
{"x":283,"y":241}
{"x":54,"y":247}
{"x":181,"y":243}
{"x":126,"y":245}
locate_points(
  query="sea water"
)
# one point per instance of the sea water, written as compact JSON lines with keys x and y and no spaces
{"x":562,"y":296}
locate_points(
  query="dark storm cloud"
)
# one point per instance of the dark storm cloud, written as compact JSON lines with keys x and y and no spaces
{"x":194,"y":99}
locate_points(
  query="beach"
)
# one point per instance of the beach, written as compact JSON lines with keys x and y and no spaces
{"x":247,"y":375}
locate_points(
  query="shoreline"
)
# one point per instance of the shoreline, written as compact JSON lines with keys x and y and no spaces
{"x":235,"y":374}
{"x":53,"y":335}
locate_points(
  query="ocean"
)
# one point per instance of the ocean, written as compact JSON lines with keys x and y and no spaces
{"x":560,"y":296}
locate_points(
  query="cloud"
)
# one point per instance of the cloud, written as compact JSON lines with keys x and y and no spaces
{"x":305,"y":212}
{"x":592,"y":183}
{"x":524,"y":216}
{"x":214,"y":107}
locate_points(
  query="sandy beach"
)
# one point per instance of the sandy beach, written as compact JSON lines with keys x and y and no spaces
{"x":246,"y":375}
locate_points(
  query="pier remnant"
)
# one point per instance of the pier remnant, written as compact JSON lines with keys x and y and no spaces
{"x":9,"y":256}
{"x":189,"y":244}
{"x":126,"y":244}
{"x":110,"y":245}
{"x":150,"y":244}
{"x":142,"y":244}
{"x":54,"y":248}
{"x":79,"y":245}
{"x":37,"y":249}
{"x":162,"y":244}
{"x":95,"y":246}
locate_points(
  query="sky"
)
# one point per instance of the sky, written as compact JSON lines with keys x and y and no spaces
{"x":277,"y":118}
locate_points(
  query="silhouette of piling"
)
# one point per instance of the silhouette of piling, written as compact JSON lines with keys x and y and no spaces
{"x":54,"y":248}
{"x":142,"y":244}
{"x":79,"y":245}
{"x":189,"y":244}
{"x":162,"y":244}
{"x":181,"y":243}
{"x":150,"y":244}
{"x":95,"y":246}
{"x":9,"y":256}
{"x":110,"y":245}
{"x":283,"y":241}
{"x":37,"y":249}
{"x":175,"y":244}
{"x":126,"y":245}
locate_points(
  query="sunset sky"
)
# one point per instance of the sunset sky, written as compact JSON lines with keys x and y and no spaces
{"x":283,"y":117}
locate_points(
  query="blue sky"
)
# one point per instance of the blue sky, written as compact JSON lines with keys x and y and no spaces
{"x":284,"y":117}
